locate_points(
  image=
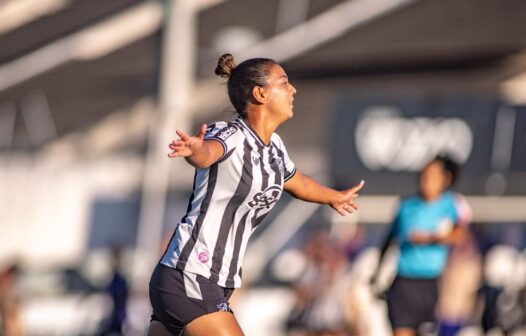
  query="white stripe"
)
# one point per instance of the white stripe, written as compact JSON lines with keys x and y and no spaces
{"x":191,"y":286}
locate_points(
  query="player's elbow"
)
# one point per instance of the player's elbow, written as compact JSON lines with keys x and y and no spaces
{"x":199,"y":164}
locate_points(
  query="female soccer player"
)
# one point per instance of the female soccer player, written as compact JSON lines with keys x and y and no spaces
{"x":423,"y":227}
{"x":242,"y":168}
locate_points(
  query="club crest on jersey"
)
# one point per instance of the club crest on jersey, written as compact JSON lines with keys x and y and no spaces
{"x":225,"y":133}
{"x":255,"y":160}
{"x":264,"y":199}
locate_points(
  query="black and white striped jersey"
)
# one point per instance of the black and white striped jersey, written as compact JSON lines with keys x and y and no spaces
{"x":229,"y":200}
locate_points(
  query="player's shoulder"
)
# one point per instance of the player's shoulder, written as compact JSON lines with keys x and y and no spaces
{"x":224,"y":129}
{"x":221,"y":124}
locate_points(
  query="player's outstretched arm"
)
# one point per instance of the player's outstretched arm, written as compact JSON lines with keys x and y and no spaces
{"x":198,"y":152}
{"x":455,"y":236}
{"x":307,"y":189}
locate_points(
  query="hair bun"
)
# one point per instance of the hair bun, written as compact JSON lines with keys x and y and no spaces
{"x":225,"y":66}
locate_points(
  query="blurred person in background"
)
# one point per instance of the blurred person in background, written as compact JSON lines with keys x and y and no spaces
{"x":242,"y":167}
{"x":425,"y":224}
{"x":118,"y":290}
{"x":10,"y":320}
{"x":458,"y":287}
{"x":502,"y":296}
{"x":461,"y":278}
{"x":321,"y":289}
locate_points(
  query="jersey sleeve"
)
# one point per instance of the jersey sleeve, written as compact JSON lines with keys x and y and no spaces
{"x":227,"y":134}
{"x":288,"y":165}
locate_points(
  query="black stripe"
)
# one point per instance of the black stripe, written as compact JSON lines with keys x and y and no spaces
{"x":226,"y":156}
{"x":282,"y":157}
{"x":242,"y":190}
{"x":237,"y":247}
{"x":264,"y":174}
{"x":285,"y":171}
{"x":291,"y":174}
{"x":278,"y":177}
{"x":259,"y":142}
{"x":189,"y":207}
{"x":241,"y":226}
{"x":211,"y":127}
{"x":188,"y":247}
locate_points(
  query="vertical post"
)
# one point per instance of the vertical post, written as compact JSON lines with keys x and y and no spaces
{"x":177,"y":75}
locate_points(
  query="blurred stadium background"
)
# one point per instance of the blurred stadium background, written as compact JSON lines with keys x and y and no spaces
{"x":91,"y":92}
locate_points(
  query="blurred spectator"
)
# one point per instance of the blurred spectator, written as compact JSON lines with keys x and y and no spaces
{"x":423,"y":227}
{"x":9,"y":302}
{"x":118,"y":290}
{"x":320,"y":291}
{"x":461,"y":278}
{"x":458,"y":287}
{"x":502,"y":295}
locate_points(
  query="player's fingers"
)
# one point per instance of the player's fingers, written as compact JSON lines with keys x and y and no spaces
{"x":340,"y":210}
{"x":353,"y":205}
{"x":348,"y":208}
{"x":176,"y":144}
{"x":179,"y":152}
{"x":357,"y":187}
{"x":182,"y":135}
{"x":350,"y":196}
{"x":202,"y":131}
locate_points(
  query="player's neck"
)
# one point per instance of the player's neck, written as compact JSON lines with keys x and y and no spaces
{"x":262,"y":126}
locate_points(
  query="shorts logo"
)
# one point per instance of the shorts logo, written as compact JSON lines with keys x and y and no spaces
{"x":226,"y":132}
{"x":203,"y":257}
{"x":264,"y":199}
{"x":223,"y":306}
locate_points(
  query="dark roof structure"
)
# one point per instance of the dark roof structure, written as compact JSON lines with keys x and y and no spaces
{"x":427,"y":36}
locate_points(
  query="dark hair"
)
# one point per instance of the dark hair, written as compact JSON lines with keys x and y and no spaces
{"x":449,"y":165}
{"x":243,"y":78}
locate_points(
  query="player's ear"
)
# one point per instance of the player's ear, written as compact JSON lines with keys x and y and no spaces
{"x":259,"y":94}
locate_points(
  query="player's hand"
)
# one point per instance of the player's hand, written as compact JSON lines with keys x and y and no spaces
{"x":346,"y":203}
{"x":421,"y":237}
{"x":187,"y":145}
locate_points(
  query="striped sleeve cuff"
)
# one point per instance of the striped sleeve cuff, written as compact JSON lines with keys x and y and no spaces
{"x":289,"y":176}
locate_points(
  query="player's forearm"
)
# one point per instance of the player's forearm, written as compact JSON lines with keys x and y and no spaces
{"x":201,"y":157}
{"x":454,"y":237}
{"x":310,"y":190}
